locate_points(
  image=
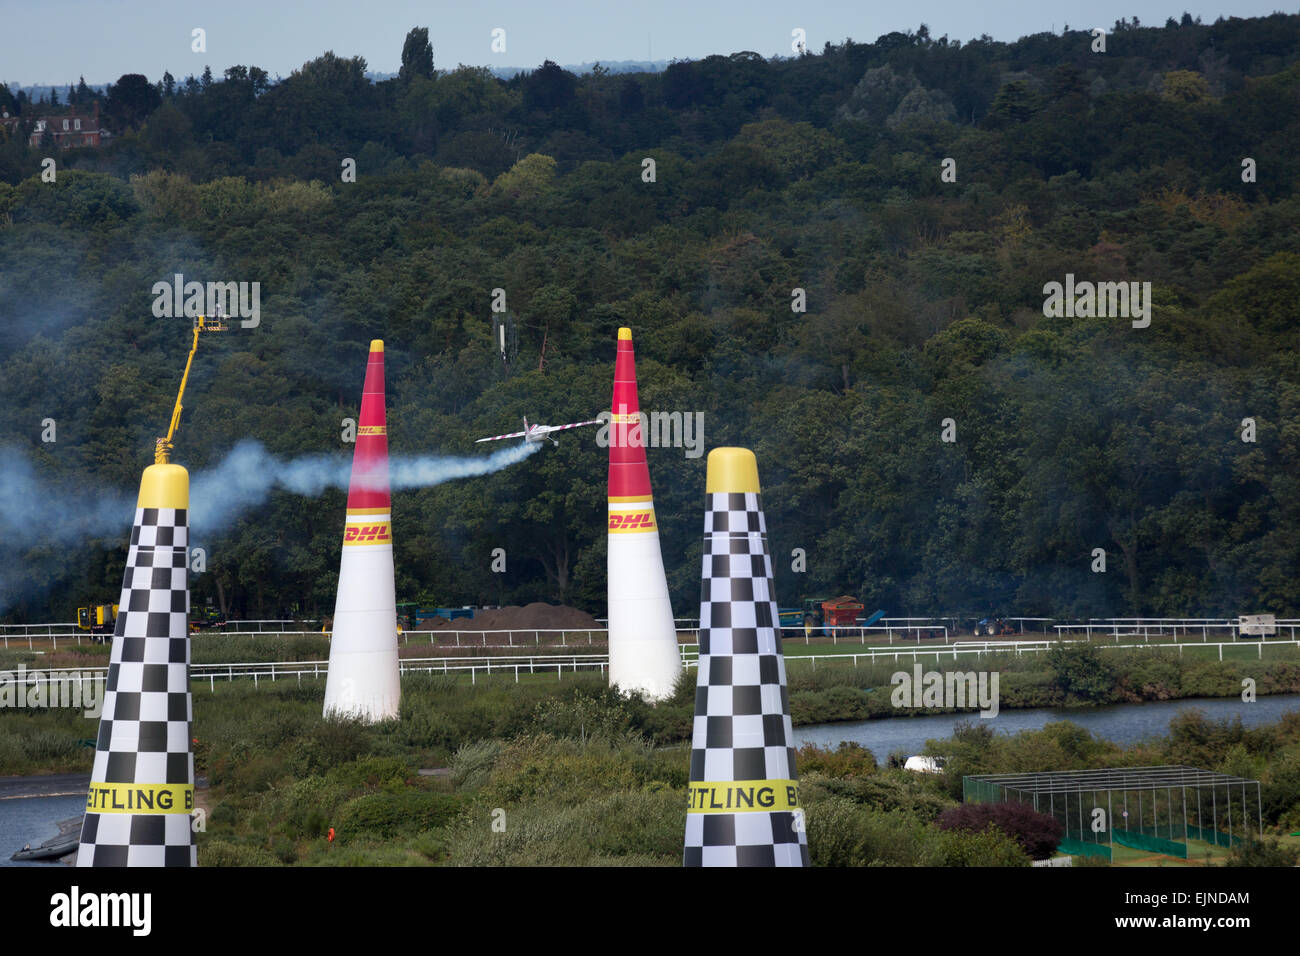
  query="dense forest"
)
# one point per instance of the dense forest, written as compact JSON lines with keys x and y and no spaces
{"x":926,"y":434}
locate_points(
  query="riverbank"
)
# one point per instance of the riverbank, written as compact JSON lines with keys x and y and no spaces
{"x":442,"y":714}
{"x":578,"y":775}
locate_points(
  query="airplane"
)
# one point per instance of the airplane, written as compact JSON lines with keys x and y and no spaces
{"x":537,"y":433}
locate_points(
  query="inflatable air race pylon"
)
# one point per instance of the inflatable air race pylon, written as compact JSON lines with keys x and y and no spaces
{"x":363,"y":676}
{"x":643,"y":653}
{"x":743,"y":805}
{"x":138,"y":811}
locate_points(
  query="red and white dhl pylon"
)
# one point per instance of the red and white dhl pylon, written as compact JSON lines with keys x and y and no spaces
{"x":643,"y":652}
{"x":363,"y":676}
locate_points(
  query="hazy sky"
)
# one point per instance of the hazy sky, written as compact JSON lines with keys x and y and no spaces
{"x":55,"y":41}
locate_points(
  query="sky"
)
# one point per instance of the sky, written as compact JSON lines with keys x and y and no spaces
{"x":102,"y":39}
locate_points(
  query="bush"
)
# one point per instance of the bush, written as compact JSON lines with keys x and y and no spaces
{"x":371,"y":773}
{"x":623,"y":828}
{"x":1263,"y":853}
{"x":1081,"y":673}
{"x":387,"y":814}
{"x":1037,"y":833}
{"x":990,"y":847}
{"x":223,"y":853}
{"x":848,"y":760}
{"x":473,"y":763}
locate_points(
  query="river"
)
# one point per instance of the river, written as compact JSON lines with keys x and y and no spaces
{"x":33,"y":820}
{"x":1121,"y":723}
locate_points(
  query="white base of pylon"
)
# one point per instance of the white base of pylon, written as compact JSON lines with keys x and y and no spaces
{"x":643,"y":651}
{"x":363,"y":676}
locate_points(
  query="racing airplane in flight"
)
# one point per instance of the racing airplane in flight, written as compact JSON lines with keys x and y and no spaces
{"x":538,"y":433}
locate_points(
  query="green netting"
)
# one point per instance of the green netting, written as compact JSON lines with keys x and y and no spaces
{"x":1141,"y":841}
{"x":1079,"y":848}
{"x":1216,"y":837}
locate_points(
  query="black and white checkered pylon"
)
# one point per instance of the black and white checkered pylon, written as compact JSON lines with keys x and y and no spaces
{"x":742,"y":730}
{"x":143,"y":757}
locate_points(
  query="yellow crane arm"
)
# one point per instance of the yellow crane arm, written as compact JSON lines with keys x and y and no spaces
{"x":163,"y":447}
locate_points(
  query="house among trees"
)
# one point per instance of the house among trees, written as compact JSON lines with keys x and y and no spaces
{"x":72,"y":129}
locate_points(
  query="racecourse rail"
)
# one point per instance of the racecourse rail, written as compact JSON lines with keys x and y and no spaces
{"x":891,"y":628}
{"x":518,"y":665}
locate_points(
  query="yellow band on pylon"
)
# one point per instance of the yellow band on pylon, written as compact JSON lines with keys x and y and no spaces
{"x":731,"y":471}
{"x":625,"y":335}
{"x":742,"y":796}
{"x":164,"y":486}
{"x":376,"y":345}
{"x":140,"y":798}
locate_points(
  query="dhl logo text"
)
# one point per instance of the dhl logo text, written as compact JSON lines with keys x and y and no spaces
{"x":632,"y":521}
{"x":373,"y":430}
{"x":380,"y":533}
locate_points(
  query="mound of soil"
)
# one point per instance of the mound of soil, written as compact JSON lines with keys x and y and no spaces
{"x":546,"y":617}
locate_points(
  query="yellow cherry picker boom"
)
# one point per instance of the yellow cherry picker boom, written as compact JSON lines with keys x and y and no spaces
{"x":100,"y":619}
{"x":163,"y":447}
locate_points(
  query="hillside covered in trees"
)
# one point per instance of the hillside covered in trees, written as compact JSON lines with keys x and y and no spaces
{"x":924,"y":285}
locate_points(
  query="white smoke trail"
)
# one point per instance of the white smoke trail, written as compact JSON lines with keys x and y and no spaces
{"x":39,"y":510}
{"x":248,"y":474}
{"x":42,"y":513}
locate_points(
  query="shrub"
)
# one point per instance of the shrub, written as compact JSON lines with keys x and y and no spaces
{"x":1037,"y":833}
{"x":1081,"y":672}
{"x":224,"y":853}
{"x":990,"y":847}
{"x":848,"y":760}
{"x":371,"y":773}
{"x":473,"y":763}
{"x":1263,"y":853}
{"x":622,"y":828}
{"x":387,"y":814}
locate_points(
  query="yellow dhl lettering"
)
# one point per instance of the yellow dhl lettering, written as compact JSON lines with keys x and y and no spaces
{"x":632,"y":521}
{"x":380,"y":533}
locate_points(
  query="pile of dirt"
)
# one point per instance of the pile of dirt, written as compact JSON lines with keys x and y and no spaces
{"x":546,"y":617}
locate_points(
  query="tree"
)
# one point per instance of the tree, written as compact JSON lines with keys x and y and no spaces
{"x":1081,"y":673}
{"x":1185,"y":86}
{"x":417,"y":55}
{"x":528,"y":179}
{"x":549,"y":87}
{"x":130,"y":101}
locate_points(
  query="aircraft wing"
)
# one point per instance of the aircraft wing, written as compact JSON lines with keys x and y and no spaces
{"x":560,"y":428}
{"x":499,"y":437}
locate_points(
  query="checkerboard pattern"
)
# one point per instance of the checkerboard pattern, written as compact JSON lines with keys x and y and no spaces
{"x":742,"y":710}
{"x":144,"y":731}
